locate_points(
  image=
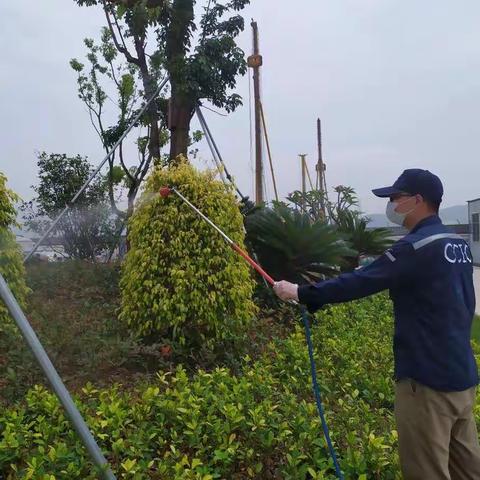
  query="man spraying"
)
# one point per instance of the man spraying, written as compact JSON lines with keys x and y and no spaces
{"x":429,"y":274}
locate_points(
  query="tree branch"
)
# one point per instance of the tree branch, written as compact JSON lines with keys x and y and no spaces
{"x":113,"y":75}
{"x":127,"y":172}
{"x":90,"y":113}
{"x":145,"y":169}
{"x":141,"y":165}
{"x":132,"y":3}
{"x":111,"y":195}
{"x":122,"y":49}
{"x":119,"y":30}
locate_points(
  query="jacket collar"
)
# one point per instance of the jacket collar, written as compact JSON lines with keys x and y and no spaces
{"x":432,"y":220}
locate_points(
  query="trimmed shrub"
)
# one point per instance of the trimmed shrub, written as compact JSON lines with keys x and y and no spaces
{"x":180,"y":279}
{"x":11,"y":261}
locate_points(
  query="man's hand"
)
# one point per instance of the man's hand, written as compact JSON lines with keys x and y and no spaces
{"x":286,"y":290}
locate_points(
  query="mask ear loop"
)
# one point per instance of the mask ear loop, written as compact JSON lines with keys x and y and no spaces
{"x":417,"y":200}
{"x":414,"y":207}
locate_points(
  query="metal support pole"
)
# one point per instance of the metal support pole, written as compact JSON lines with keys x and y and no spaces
{"x":203,"y":124}
{"x":94,"y":174}
{"x":49,"y":370}
{"x":309,"y":177}
{"x":215,"y":150}
{"x":216,"y":153}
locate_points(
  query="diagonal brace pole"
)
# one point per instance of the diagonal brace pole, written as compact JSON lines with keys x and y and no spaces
{"x":214,"y":148}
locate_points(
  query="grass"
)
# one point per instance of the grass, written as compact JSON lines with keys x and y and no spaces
{"x":73,"y":311}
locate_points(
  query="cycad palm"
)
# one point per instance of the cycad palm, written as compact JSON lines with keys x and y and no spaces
{"x":292,"y":247}
{"x":365,"y":241}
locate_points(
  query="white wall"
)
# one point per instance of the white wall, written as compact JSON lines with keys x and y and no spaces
{"x":474,"y":207}
{"x":476,"y":281}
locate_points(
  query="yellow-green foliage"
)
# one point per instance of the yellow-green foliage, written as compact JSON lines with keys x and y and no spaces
{"x":260,"y":424}
{"x":11,"y":264}
{"x":180,"y":278}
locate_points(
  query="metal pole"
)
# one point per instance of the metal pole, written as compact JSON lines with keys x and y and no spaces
{"x":209,"y":141}
{"x":215,"y":150}
{"x":308,"y":176}
{"x":267,"y":141}
{"x":94,"y":174}
{"x":49,"y":370}
{"x":319,"y":161}
{"x":321,"y":184}
{"x":304,"y":183}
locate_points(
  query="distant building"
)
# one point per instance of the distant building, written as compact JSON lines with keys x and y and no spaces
{"x":474,"y":219}
{"x":52,"y":251}
{"x":396,"y":233}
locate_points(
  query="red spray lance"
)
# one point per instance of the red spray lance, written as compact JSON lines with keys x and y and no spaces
{"x":165,"y":192}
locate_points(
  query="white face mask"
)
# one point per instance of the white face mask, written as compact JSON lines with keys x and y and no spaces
{"x":394,"y":216}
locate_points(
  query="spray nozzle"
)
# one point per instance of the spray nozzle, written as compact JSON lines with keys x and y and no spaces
{"x":165,"y":192}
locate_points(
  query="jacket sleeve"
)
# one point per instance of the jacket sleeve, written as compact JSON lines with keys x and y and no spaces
{"x":392,"y":268}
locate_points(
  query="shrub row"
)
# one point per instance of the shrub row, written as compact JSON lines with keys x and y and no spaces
{"x":261,"y":424}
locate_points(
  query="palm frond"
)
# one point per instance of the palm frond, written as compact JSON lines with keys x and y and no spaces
{"x":292,"y":247}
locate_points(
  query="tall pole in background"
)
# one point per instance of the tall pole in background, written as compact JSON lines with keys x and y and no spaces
{"x":267,"y":142}
{"x":304,"y":178}
{"x":318,"y":168}
{"x":321,"y":182}
{"x":255,"y":61}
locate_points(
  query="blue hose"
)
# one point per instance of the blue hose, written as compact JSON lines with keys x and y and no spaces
{"x":316,"y":391}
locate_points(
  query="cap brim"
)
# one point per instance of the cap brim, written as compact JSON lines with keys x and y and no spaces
{"x":386,"y":192}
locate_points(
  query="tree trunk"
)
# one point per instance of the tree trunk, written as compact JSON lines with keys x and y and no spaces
{"x":180,"y":114}
{"x":182,"y":102}
{"x":149,"y":86}
{"x":132,"y":193}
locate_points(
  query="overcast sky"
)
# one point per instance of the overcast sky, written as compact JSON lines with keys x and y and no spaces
{"x":395,"y":82}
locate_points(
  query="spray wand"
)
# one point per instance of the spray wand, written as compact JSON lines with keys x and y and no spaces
{"x":166,"y":191}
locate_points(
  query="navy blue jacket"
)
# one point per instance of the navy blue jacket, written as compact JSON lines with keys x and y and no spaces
{"x":429,"y":273}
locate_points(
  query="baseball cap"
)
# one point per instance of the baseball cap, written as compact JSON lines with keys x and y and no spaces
{"x":414,"y":181}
